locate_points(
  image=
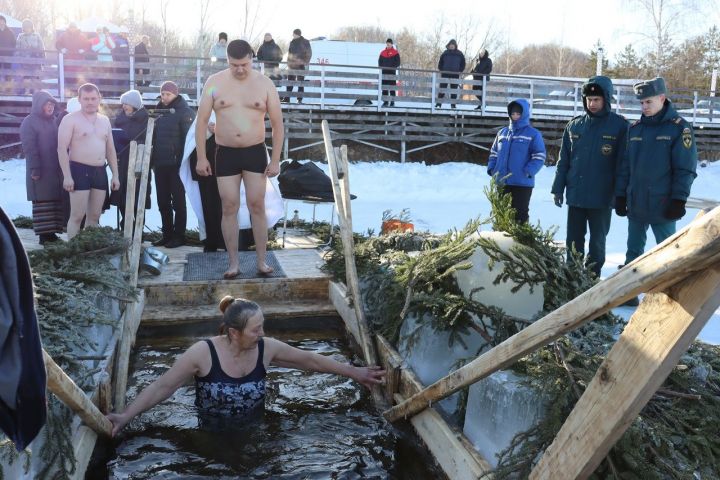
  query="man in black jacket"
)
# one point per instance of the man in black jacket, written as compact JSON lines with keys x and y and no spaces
{"x":482,"y":69}
{"x":452,"y":60}
{"x":389,"y":61}
{"x":271,"y":55}
{"x":142,"y":55}
{"x":7,"y":48}
{"x":168,"y":145}
{"x":299,"y":55}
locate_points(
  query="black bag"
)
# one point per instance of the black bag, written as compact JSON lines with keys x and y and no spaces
{"x":304,"y":181}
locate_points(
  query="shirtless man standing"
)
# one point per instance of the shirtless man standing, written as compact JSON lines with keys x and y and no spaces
{"x":240,"y":97}
{"x":84,"y":143}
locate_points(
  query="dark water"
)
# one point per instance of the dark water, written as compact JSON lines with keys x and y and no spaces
{"x":315,"y":426}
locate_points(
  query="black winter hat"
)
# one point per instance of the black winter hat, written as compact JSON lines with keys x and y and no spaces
{"x":592,"y":90}
{"x":451,"y":42}
{"x":389,"y":40}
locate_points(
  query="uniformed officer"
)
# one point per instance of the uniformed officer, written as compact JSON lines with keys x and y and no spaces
{"x":657,"y":171}
{"x":591,"y":149}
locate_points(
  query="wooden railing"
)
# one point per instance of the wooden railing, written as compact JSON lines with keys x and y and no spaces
{"x":334,"y":86}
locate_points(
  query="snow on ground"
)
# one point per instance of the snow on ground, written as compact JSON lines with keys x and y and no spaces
{"x":440,"y":197}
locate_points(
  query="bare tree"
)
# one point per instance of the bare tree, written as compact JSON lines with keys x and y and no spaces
{"x":667,"y":18}
{"x":252,"y":26}
{"x":164,"y":23}
{"x":204,"y":39}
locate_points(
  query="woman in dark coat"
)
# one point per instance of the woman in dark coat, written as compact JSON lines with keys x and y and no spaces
{"x":132,"y":122}
{"x":43,"y":177}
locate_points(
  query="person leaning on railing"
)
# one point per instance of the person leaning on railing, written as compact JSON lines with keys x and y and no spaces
{"x":29,"y":45}
{"x":271,"y":55}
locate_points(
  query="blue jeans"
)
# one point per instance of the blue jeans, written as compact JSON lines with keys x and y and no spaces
{"x":637,"y":236}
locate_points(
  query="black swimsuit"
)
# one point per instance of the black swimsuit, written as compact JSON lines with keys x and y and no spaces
{"x":219,"y":393}
{"x":231,"y":161}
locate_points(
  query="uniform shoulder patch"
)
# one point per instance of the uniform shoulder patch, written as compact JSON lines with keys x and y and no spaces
{"x":687,"y":137}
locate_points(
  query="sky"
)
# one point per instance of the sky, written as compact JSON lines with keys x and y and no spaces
{"x":579,"y":24}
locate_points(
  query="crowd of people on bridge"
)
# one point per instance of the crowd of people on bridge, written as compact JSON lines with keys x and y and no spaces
{"x":105,"y":47}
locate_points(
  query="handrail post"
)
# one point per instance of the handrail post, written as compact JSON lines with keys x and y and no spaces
{"x":379,"y":90}
{"x":198,"y":80}
{"x":618,"y":90}
{"x":532,"y":94}
{"x":132,"y":71}
{"x":322,"y":86}
{"x":575,"y":99}
{"x":695,"y":103}
{"x":484,"y":94}
{"x":61,"y":76}
{"x":433,"y":90}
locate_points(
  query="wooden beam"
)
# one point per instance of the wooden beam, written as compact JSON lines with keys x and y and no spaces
{"x":695,"y":247}
{"x":659,"y":332}
{"x":135,"y":150}
{"x":342,"y":202}
{"x":140,"y":216}
{"x":132,"y":315}
{"x":73,"y":396}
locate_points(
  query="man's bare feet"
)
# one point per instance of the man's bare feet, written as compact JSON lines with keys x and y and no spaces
{"x":264,"y":269}
{"x":231,"y":273}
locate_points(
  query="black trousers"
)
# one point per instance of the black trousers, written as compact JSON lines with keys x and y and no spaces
{"x":454,"y":86}
{"x":297,"y":78}
{"x":389,"y":82}
{"x":520,"y":201}
{"x":598,"y":221}
{"x":171,"y":201}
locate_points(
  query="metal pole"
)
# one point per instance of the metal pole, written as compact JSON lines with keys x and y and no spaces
{"x":402,"y":144}
{"x":132,"y":71}
{"x":695,"y":101}
{"x":433,"y":92}
{"x":379,"y":90}
{"x":713,"y":82}
{"x":61,"y":76}
{"x":575,"y":99}
{"x":532,"y":93}
{"x":484,"y":94}
{"x":598,"y":66}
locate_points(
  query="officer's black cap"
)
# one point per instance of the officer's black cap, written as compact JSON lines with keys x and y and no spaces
{"x":649,"y":88}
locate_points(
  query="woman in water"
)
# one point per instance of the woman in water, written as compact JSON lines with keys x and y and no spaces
{"x":230,"y":369}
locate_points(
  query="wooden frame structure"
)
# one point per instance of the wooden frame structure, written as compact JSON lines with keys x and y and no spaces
{"x":681,"y":277}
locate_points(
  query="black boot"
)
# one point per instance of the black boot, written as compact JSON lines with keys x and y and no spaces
{"x":162,"y":242}
{"x":48,"y":238}
{"x":175,"y":242}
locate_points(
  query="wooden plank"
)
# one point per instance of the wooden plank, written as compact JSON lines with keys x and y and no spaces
{"x":175,"y":315}
{"x":73,"y":396}
{"x":140,"y":216}
{"x":659,"y":332}
{"x":342,"y":203}
{"x":135,"y":151}
{"x":83,"y":444}
{"x":452,"y":450}
{"x":133,"y":313}
{"x":693,"y":248}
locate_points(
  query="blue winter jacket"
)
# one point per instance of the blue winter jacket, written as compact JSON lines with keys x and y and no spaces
{"x":518,"y":151}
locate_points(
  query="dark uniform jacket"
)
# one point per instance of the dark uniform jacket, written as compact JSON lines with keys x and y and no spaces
{"x":389,"y":61}
{"x":38,"y":134}
{"x":592,"y":147}
{"x":659,"y":165}
{"x":170,"y":131}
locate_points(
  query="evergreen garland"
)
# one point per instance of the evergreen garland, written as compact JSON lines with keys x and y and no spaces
{"x":676,"y":434}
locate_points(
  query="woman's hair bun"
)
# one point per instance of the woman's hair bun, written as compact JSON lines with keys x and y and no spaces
{"x":225,"y":302}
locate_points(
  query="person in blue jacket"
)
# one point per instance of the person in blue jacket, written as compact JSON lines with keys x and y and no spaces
{"x":516,"y":156}
{"x":592,"y":146}
{"x":657,"y":170}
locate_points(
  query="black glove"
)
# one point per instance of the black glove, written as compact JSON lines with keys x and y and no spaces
{"x":621,"y":206}
{"x":676,"y":209}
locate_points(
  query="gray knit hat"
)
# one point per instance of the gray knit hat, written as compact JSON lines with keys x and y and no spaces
{"x":132,"y":98}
